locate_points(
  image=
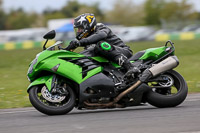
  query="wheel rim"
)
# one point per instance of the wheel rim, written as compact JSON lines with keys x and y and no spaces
{"x":52,"y":100}
{"x":169,"y":81}
{"x":170,"y":86}
{"x":50,"y":97}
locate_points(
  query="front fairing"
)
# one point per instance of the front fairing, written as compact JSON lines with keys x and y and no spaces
{"x":46,"y":60}
{"x":60,"y":62}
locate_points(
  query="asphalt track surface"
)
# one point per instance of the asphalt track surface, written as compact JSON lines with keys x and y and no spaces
{"x":141,"y":119}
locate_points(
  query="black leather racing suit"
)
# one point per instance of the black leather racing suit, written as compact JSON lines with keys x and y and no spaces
{"x":119,"y":51}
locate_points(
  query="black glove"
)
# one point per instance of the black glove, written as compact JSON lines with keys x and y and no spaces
{"x":73,"y":45}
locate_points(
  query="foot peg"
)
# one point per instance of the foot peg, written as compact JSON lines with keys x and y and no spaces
{"x":132,"y":71}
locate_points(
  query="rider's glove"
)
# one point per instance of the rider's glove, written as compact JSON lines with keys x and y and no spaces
{"x":73,"y":45}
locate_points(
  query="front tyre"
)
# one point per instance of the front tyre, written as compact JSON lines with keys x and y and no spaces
{"x":51,"y":104}
{"x":170,"y":93}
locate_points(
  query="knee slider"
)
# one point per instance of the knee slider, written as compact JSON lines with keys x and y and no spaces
{"x":104,"y":46}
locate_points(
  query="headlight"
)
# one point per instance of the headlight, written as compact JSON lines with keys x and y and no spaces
{"x":30,"y":70}
{"x":28,"y":79}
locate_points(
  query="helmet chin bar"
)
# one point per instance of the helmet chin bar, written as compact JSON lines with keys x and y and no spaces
{"x":82,"y":35}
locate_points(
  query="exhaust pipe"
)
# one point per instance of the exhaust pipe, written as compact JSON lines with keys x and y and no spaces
{"x":116,"y":99}
{"x":165,"y":65}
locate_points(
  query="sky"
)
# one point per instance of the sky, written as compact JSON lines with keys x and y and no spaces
{"x":40,"y":5}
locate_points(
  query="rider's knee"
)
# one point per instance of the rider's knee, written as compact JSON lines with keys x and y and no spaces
{"x":104,"y":47}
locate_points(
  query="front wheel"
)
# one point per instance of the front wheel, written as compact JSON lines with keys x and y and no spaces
{"x":170,"y":92}
{"x":52,"y":104}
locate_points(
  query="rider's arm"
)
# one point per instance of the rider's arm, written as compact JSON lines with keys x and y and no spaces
{"x":96,"y":37}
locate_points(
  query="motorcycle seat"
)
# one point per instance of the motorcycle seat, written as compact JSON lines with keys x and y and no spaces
{"x":136,"y":56}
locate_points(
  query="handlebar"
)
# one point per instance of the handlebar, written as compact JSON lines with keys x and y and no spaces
{"x":60,"y":48}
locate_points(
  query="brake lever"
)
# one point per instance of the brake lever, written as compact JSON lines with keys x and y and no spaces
{"x":68,"y":49}
{"x":60,"y":48}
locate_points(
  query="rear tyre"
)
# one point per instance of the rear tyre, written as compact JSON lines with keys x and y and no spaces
{"x":169,"y":96}
{"x":60,"y":106}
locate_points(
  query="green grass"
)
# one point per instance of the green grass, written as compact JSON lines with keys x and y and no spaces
{"x":14,"y":65}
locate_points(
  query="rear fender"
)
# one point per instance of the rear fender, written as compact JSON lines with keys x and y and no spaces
{"x":47,"y":80}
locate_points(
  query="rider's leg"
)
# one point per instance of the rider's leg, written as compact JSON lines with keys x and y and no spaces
{"x":116,"y":54}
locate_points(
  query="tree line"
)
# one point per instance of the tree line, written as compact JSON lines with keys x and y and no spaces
{"x":124,"y":12}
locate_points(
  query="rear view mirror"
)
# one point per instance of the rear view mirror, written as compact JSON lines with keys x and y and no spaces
{"x":50,"y":35}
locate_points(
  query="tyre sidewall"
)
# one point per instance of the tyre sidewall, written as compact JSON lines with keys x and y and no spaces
{"x":50,"y":110}
{"x":162,"y":101}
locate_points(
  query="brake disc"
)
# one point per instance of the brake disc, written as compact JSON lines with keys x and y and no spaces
{"x":51,"y":98}
{"x":169,"y":81}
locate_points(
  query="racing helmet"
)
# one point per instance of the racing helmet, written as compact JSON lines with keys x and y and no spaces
{"x":84,"y":25}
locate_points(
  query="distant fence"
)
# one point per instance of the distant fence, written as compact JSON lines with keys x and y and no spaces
{"x":25,"y":45}
{"x":177,"y":36}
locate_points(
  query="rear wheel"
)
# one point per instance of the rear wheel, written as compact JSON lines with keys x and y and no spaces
{"x":170,"y":92}
{"x":52,"y":104}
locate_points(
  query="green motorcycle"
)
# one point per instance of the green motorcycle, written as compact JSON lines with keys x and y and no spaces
{"x":62,"y":79}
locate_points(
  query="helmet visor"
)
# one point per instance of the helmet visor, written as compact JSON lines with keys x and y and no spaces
{"x":78,"y":30}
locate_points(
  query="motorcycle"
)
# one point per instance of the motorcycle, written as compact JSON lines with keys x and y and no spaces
{"x":62,"y":79}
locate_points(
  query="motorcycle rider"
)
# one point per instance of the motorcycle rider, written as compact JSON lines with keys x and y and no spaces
{"x":107,"y":44}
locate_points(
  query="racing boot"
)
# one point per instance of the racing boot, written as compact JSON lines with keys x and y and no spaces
{"x":130,"y":68}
